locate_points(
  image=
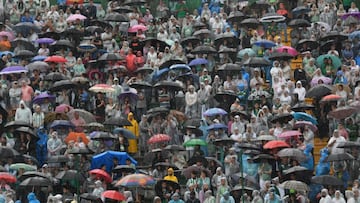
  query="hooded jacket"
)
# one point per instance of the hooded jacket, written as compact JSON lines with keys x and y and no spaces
{"x":23,"y":114}
{"x":133,"y":146}
{"x":32,"y":198}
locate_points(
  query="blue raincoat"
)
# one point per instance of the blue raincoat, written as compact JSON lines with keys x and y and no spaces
{"x":323,"y":167}
{"x":41,"y":146}
{"x":32,"y":198}
{"x":309,"y":162}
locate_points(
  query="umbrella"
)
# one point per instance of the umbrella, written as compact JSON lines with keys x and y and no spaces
{"x":131,"y":96}
{"x":287,"y":49}
{"x":100,"y":135}
{"x":157,"y":110}
{"x":114,"y":121}
{"x":230,"y":38}
{"x":282,"y":118}
{"x":169,"y":85}
{"x":41,"y":98}
{"x":55,"y":59}
{"x":216,"y":126}
{"x":29,"y":174}
{"x":292,"y":153}
{"x":327,"y":180}
{"x":144,"y":70}
{"x":17,"y":124}
{"x":58,"y":159}
{"x":45,"y":40}
{"x":73,"y":136}
{"x":250,"y":23}
{"x":86,"y":48}
{"x":94,"y":29}
{"x":55,"y":76}
{"x":197,"y":169}
{"x":215,"y":160}
{"x":136,"y":28}
{"x":24,"y":54}
{"x":275,"y":144}
{"x":214,"y":112}
{"x":9,"y":35}
{"x":295,"y":185}
{"x":334,"y":35}
{"x":299,"y":23}
{"x":348,"y":144}
{"x":266,"y":138}
{"x":70,"y":175}
{"x":125,"y":132}
{"x":305,"y":117}
{"x":134,"y":3}
{"x":230,"y":67}
{"x":182,"y":67}
{"x":340,"y":157}
{"x":61,"y":124}
{"x":202,"y":32}
{"x":260,"y":157}
{"x":116,"y":17}
{"x":25,"y":167}
{"x":342,"y":112}
{"x":114,"y":195}
{"x":166,"y":165}
{"x":7,"y":177}
{"x":336,"y":62}
{"x":225,"y":97}
{"x":171,"y":62}
{"x":101,"y":174}
{"x":302,"y":124}
{"x":330,"y":98}
{"x":110,"y":57}
{"x":38,"y":65}
{"x":224,"y":142}
{"x":100,"y":23}
{"x":169,"y":184}
{"x":194,"y":142}
{"x":283,"y":56}
{"x":90,"y":197}
{"x":141,"y":85}
{"x":272,"y":17}
{"x":62,"y":85}
{"x":289,"y":133}
{"x":300,"y":10}
{"x":36,"y":182}
{"x":80,"y":151}
{"x":106,"y":158}
{"x":123,"y":169}
{"x":319,"y":91}
{"x":87,"y":116}
{"x":325,"y":80}
{"x":355,"y":34}
{"x":8,"y":152}
{"x":26,"y":130}
{"x":159,"y":138}
{"x":25,"y":43}
{"x":62,"y":44}
{"x":204,"y":50}
{"x":236,"y":16}
{"x":13,"y":69}
{"x":307,"y":45}
{"x":136,"y":180}
{"x":80,"y":80}
{"x":351,"y":14}
{"x":248,"y":51}
{"x":123,"y":9}
{"x":174,"y":148}
{"x":257,"y":62}
{"x":62,"y":108}
{"x":265,"y":43}
{"x":295,"y":169}
{"x":239,"y":189}
{"x":302,"y":107}
{"x":193,"y":40}
{"x":50,"y":34}
{"x":25,"y":27}
{"x":75,"y":17}
{"x":101,"y":88}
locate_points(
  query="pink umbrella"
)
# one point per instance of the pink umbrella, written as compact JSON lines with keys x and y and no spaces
{"x":136,"y":28}
{"x":75,"y":17}
{"x":62,"y":108}
{"x":8,"y":34}
{"x":300,"y":124}
{"x":287,"y":49}
{"x":290,"y":133}
{"x":326,"y":80}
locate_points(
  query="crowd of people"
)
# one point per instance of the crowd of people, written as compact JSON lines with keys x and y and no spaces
{"x":180,"y":101}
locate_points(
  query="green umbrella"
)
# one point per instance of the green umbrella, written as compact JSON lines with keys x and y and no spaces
{"x":26,"y":167}
{"x":249,"y":51}
{"x":194,"y":142}
{"x":335,"y":60}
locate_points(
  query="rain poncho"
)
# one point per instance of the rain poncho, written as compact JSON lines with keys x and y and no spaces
{"x":32,"y":198}
{"x":309,"y":161}
{"x":133,"y":146}
{"x":23,"y":114}
{"x":323,"y":168}
{"x":41,"y":146}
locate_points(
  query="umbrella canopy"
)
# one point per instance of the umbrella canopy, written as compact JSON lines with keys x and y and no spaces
{"x":131,"y":96}
{"x":62,"y":85}
{"x":141,"y":85}
{"x":110,"y":57}
{"x":24,"y":54}
{"x":114,"y":195}
{"x":282,"y":118}
{"x":159,"y":138}
{"x":56,"y":59}
{"x":136,"y":180}
{"x":87,"y":116}
{"x":330,"y":98}
{"x":114,"y":121}
{"x":202,"y":32}
{"x":327,"y":180}
{"x":106,"y":158}
{"x":62,"y":44}
{"x":258,"y":158}
{"x":286,"y":49}
{"x":75,"y":17}
{"x":342,"y":112}
{"x":123,"y":169}
{"x":7,"y":177}
{"x":272,"y":17}
{"x":57,"y":124}
{"x":292,"y":153}
{"x":8,"y":152}
{"x":169,"y":85}
{"x":25,"y":167}
{"x":281,"y":56}
{"x":100,"y":135}
{"x":45,"y":40}
{"x":247,"y":51}
{"x":41,"y":98}
{"x":70,"y":175}
{"x":29,"y":174}
{"x":236,"y":16}
{"x":125,"y":132}
{"x":17,"y":124}
{"x":136,"y":28}
{"x":250,"y":22}
{"x":198,"y":61}
{"x":307,"y":45}
{"x":25,"y":27}
{"x":325,"y":80}
{"x":230,"y":67}
{"x":302,"y":107}
{"x":340,"y":157}
{"x":216,"y":126}
{"x":319,"y":91}
{"x":265,"y":43}
{"x":73,"y":136}
{"x":304,"y":117}
{"x":335,"y":61}
{"x":36,"y":182}
{"x":195,"y":142}
{"x":191,"y":169}
{"x":25,"y":130}
{"x":266,"y":138}
{"x":63,"y":108}
{"x":116,"y":17}
{"x":348,"y":144}
{"x":38,"y":65}
{"x":204,"y":50}
{"x":102,"y":88}
{"x":25,"y":43}
{"x":13,"y":69}
{"x":295,"y":185}
{"x":275,"y":144}
{"x":308,"y":124}
{"x":224,"y":142}
{"x":174,"y":148}
{"x":101,"y":174}
{"x":299,"y":23}
{"x":295,"y":169}
{"x":257,"y":62}
{"x":289,"y":133}
{"x":214,"y":112}
{"x":300,"y":10}
{"x":55,"y":76}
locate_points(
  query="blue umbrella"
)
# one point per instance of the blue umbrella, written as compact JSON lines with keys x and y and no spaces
{"x":249,"y":51}
{"x":61,"y":124}
{"x":305,"y":117}
{"x":38,"y":58}
{"x":86,"y":48}
{"x":214,"y":112}
{"x":125,"y":132}
{"x":13,"y":69}
{"x":157,"y":74}
{"x":265,"y":43}
{"x":198,"y":61}
{"x":217,"y":126}
{"x":42,"y":97}
{"x":180,"y":67}
{"x":106,"y":158}
{"x":45,"y":41}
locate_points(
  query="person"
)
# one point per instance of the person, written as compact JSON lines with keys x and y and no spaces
{"x":98,"y":190}
{"x":170,"y":175}
{"x":334,"y":141}
{"x":78,"y":122}
{"x":191,"y":98}
{"x":134,"y":128}
{"x":325,"y":197}
{"x":54,"y":144}
{"x":27,"y":92}
{"x":209,"y":198}
{"x":227,"y":198}
{"x":176,"y":198}
{"x":23,"y":113}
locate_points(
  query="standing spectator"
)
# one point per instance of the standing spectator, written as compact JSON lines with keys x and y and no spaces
{"x":23,"y":113}
{"x":38,"y":117}
{"x":54,"y":144}
{"x":133,"y":146}
{"x":191,"y":98}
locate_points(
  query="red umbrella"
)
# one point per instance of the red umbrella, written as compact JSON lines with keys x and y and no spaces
{"x":275,"y":144}
{"x":55,"y":59}
{"x":330,"y":97}
{"x":159,"y":138}
{"x":113,"y":194}
{"x":290,"y":133}
{"x":101,"y":174}
{"x":7,"y":177}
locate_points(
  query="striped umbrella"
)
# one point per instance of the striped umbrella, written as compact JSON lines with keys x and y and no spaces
{"x":136,"y":180}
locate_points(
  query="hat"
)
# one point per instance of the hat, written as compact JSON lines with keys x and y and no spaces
{"x":170,"y":170}
{"x":218,"y":169}
{"x":298,"y":82}
{"x":237,"y":116}
{"x":256,"y":70}
{"x":116,"y":79}
{"x":98,"y":182}
{"x":45,"y":166}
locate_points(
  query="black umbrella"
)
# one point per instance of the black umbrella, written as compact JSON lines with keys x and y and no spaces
{"x":7,"y":152}
{"x":340,"y":157}
{"x":62,"y":85}
{"x":213,"y":159}
{"x":73,"y":32}
{"x":144,"y":70}
{"x":236,"y":16}
{"x":334,"y":35}
{"x":110,"y":57}
{"x":319,"y":91}
{"x":100,"y":23}
{"x":299,"y":23}
{"x":17,"y":124}
{"x":25,"y":27}
{"x":306,"y":45}
{"x":230,"y":67}
{"x":193,"y":40}
{"x":80,"y":151}
{"x":199,"y":25}
{"x":94,"y":29}
{"x":197,"y":169}
{"x":116,"y":17}
{"x":155,"y":42}
{"x":24,"y":54}
{"x":36,"y":182}
{"x":171,"y":62}
{"x":224,"y":142}
{"x":226,"y":50}
{"x":295,"y":169}
{"x":300,"y":10}
{"x":197,"y":159}
{"x":58,"y":159}
{"x":103,"y":136}
{"x":26,"y":158}
{"x":283,"y":56}
{"x":30,"y":174}
{"x":327,"y":180}
{"x":92,"y":198}
{"x":302,"y":107}
{"x":202,"y":32}
{"x":260,"y":157}
{"x":55,"y":76}
{"x":123,"y":169}
{"x":282,"y":118}
{"x":225,"y":98}
{"x":141,"y":85}
{"x":326,"y":46}
{"x":52,"y":35}
{"x":38,"y":65}
{"x":174,"y":148}
{"x":348,"y":144}
{"x":25,"y":43}
{"x":204,"y":50}
{"x":156,"y":110}
{"x":26,"y":130}
{"x":240,"y":113}
{"x":257,"y":62}
{"x":117,"y":122}
{"x":169,"y":85}
{"x":166,"y":165}
{"x":70,"y":175}
{"x":123,"y":9}
{"x":134,"y":2}
{"x":250,"y":23}
{"x":62,"y":44}
{"x":195,"y":122}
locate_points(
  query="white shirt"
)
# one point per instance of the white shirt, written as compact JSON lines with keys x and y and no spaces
{"x":301,"y":93}
{"x":334,"y":149}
